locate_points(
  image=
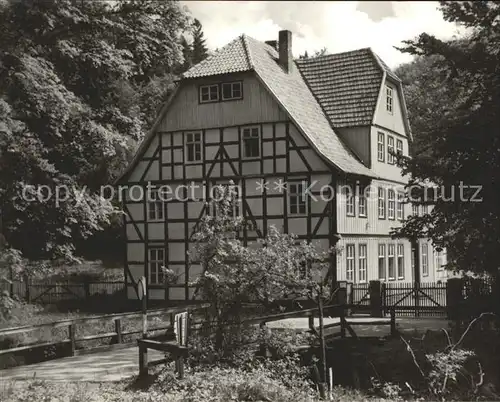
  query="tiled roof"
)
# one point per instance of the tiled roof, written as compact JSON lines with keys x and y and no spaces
{"x":232,"y":58}
{"x":345,"y":84}
{"x":296,"y":98}
{"x":289,"y":89}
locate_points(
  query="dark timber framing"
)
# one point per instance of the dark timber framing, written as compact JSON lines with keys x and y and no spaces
{"x":275,"y":162}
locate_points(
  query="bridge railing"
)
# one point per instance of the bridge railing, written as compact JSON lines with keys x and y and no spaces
{"x":73,"y":340}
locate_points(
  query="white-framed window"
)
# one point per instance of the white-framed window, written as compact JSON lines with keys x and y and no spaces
{"x":155,"y":264}
{"x":388,"y":99}
{"x":399,"y":147}
{"x":193,"y":146}
{"x":414,"y":209}
{"x":155,"y":207}
{"x":401,"y":261}
{"x":425,"y":209}
{"x":362,"y":263}
{"x":350,"y":263}
{"x":425,"y":260}
{"x":391,"y":204}
{"x":381,"y":262}
{"x":349,"y":201}
{"x":438,"y":260}
{"x":391,"y":260}
{"x":209,"y":93}
{"x":381,"y":203}
{"x":362,"y":201}
{"x":400,"y":212}
{"x":297,"y":200}
{"x":381,"y":147}
{"x":232,"y":90}
{"x":251,"y":142}
{"x":390,"y":150}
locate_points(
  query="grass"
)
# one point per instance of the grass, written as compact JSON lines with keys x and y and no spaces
{"x":210,"y":385}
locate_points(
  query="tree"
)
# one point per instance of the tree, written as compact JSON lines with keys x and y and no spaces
{"x":458,"y":138}
{"x":279,"y":267}
{"x":200,"y":51}
{"x":187,"y":53}
{"x":80,"y":83}
{"x":316,"y":53}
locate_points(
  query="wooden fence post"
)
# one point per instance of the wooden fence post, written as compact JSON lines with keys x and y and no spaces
{"x":72,"y":338}
{"x":118,"y":330}
{"x":342,"y":323}
{"x":311,"y":321}
{"x":375,"y":289}
{"x":143,"y":361}
{"x":144,"y":318}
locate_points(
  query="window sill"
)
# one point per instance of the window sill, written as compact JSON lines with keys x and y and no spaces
{"x":209,"y":101}
{"x":199,"y":162}
{"x":351,"y":215}
{"x":250,"y":158}
{"x":231,"y":99}
{"x":155,"y":220}
{"x":304,"y":215}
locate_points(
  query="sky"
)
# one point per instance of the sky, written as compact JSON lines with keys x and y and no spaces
{"x":339,"y":26}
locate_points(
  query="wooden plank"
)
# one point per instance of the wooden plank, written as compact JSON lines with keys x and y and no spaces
{"x":374,"y":322}
{"x":171,"y":347}
{"x":97,"y":336}
{"x":27,"y":347}
{"x":107,"y":317}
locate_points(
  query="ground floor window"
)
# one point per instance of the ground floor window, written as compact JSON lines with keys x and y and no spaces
{"x":401,"y":261}
{"x":425,"y":260}
{"x":156,"y":262}
{"x":391,"y":262}
{"x":362,"y":263}
{"x":381,"y":261}
{"x":350,"y":263}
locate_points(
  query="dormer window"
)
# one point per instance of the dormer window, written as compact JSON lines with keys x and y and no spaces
{"x":399,"y":147}
{"x":232,"y":90}
{"x":388,"y":99}
{"x":209,"y":93}
{"x":390,"y":150}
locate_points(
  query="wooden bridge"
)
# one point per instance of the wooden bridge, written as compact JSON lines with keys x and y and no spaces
{"x":122,"y":358}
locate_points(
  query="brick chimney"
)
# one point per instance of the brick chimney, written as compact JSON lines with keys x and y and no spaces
{"x":285,"y":50}
{"x":272,"y":43}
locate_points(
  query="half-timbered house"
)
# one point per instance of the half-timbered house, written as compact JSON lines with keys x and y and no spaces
{"x":278,"y":128}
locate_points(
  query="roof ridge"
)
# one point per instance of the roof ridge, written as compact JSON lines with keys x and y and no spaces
{"x":308,"y":59}
{"x":244,"y":39}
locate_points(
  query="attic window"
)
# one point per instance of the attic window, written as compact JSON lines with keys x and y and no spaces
{"x":209,"y":93}
{"x":232,"y":90}
{"x":388,"y":99}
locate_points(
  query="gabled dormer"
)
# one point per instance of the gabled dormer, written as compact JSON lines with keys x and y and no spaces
{"x":361,"y":98}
